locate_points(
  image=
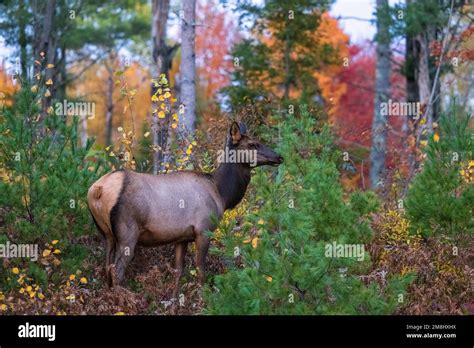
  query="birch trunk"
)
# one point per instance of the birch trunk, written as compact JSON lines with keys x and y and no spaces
{"x":382,"y":93}
{"x":162,"y":61}
{"x":188,"y":67}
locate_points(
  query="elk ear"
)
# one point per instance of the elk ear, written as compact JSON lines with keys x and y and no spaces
{"x":235,"y":133}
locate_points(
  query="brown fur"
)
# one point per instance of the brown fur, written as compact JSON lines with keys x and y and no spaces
{"x":132,"y":208}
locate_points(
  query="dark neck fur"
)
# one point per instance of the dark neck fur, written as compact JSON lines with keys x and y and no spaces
{"x":231,"y":180}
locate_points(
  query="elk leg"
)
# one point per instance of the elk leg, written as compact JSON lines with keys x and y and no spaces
{"x":179,"y":254}
{"x":202,"y":246}
{"x":124,"y":248}
{"x":109,"y":257}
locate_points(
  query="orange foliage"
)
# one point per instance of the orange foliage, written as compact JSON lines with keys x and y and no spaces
{"x":92,"y":86}
{"x":331,"y":89}
{"x":214,"y":39}
{"x":327,"y":33}
{"x":7,"y":87}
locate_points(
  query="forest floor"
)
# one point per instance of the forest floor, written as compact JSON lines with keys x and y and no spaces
{"x":149,"y":285}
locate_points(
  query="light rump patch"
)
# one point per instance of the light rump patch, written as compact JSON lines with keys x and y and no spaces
{"x":102,"y":197}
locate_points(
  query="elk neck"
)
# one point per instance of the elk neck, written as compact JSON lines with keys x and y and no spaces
{"x":231,"y":180}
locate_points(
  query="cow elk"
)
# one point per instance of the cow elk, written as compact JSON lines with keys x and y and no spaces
{"x":131,"y":208}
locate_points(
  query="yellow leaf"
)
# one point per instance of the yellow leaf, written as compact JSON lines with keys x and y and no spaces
{"x":29,"y":288}
{"x":57,"y":251}
{"x":32,"y":294}
{"x":261,"y":222}
{"x":254,"y":242}
{"x":436,"y":137}
{"x":167,"y":95}
{"x":146,"y":134}
{"x":83,"y":280}
{"x":72,"y":277}
{"x":174,"y":125}
{"x":423,"y":142}
{"x":120,"y":129}
{"x":40,"y":296}
{"x":3,"y":307}
{"x":269,"y":279}
{"x":189,"y":151}
{"x":15,"y":270}
{"x":46,"y":252}
{"x":21,"y":291}
{"x":119,"y":313}
{"x":47,"y":93}
{"x":161,"y":114}
{"x":49,"y":82}
{"x":154,"y":98}
{"x":34,"y":89}
{"x":50,"y":66}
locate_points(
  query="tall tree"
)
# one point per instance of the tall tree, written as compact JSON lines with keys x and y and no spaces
{"x":162,"y":54}
{"x":382,"y":93}
{"x":279,"y":60}
{"x":188,"y":65}
{"x":109,"y":93}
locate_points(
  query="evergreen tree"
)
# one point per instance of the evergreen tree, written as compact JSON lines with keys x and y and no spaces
{"x":278,"y":260}
{"x":44,"y":173}
{"x":279,"y":60}
{"x":441,"y":196}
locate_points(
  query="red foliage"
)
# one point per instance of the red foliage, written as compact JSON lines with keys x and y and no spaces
{"x":353,"y":119}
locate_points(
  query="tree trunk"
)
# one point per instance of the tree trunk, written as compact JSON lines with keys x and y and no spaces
{"x":412,"y":96}
{"x":45,"y":44}
{"x":411,"y":66}
{"x":162,"y":59}
{"x":382,"y":93}
{"x":22,"y":39}
{"x":423,"y":76}
{"x":188,"y":66}
{"x":109,"y":107}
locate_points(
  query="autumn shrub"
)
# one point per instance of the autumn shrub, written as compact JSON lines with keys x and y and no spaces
{"x":43,"y":188}
{"x":276,"y":258}
{"x":440,"y":200}
{"x":441,"y":268}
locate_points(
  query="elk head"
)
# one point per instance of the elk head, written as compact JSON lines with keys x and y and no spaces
{"x":250,"y":151}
